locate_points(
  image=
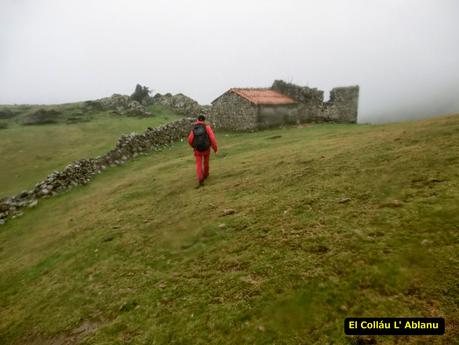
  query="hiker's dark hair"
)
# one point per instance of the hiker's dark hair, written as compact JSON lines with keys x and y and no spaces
{"x":201,"y":118}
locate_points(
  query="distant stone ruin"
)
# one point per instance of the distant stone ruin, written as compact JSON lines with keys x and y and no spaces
{"x":133,"y":105}
{"x":127,"y":105}
{"x":180,"y":103}
{"x":118,"y":104}
{"x":283,"y":103}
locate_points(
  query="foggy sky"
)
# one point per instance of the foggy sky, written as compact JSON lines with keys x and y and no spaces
{"x":404,"y":54}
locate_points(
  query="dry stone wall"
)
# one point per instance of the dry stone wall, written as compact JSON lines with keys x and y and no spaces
{"x":301,"y":94}
{"x":82,"y":171}
{"x":342,"y":106}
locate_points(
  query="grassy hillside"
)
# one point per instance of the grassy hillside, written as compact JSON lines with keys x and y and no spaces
{"x":29,"y":153}
{"x":330,"y":221}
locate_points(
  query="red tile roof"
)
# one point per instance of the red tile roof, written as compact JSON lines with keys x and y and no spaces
{"x":263,"y":96}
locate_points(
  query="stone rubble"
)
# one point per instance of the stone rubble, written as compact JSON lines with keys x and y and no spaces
{"x":181,"y":103}
{"x":119,"y":104}
{"x":82,"y":171}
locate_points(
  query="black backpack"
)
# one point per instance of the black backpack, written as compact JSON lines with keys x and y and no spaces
{"x":201,"y":141}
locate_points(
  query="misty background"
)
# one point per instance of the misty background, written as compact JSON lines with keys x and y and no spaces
{"x":404,"y":54}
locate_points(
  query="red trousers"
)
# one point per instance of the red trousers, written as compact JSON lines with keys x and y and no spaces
{"x":200,"y":157}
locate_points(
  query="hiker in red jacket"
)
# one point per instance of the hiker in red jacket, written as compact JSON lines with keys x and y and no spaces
{"x":201,"y":138}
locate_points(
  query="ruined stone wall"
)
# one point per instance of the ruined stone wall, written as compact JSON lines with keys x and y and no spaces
{"x":82,"y":171}
{"x":234,"y":112}
{"x":310,"y":99}
{"x":302,"y":94}
{"x":342,"y":106}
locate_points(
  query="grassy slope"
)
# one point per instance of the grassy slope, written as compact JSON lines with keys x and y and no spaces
{"x":138,"y":256}
{"x":29,"y":153}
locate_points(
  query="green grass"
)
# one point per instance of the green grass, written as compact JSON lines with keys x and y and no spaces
{"x":331,"y":221}
{"x":30,"y":153}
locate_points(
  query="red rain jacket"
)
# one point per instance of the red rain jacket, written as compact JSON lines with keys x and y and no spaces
{"x":210,"y":133}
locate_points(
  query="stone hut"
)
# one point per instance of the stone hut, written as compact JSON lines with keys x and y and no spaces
{"x":244,"y":109}
{"x":283,"y":103}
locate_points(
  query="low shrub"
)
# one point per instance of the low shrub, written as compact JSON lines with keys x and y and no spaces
{"x":42,"y":116}
{"x":7,"y":113}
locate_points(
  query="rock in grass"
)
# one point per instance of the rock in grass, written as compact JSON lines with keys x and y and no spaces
{"x":128,"y":306}
{"x":434,"y":180}
{"x":392,"y":203}
{"x":24,"y":194}
{"x":365,"y":341}
{"x":228,"y":211}
{"x":4,"y":207}
{"x":261,"y":328}
{"x":426,"y":242}
{"x":344,"y":200}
